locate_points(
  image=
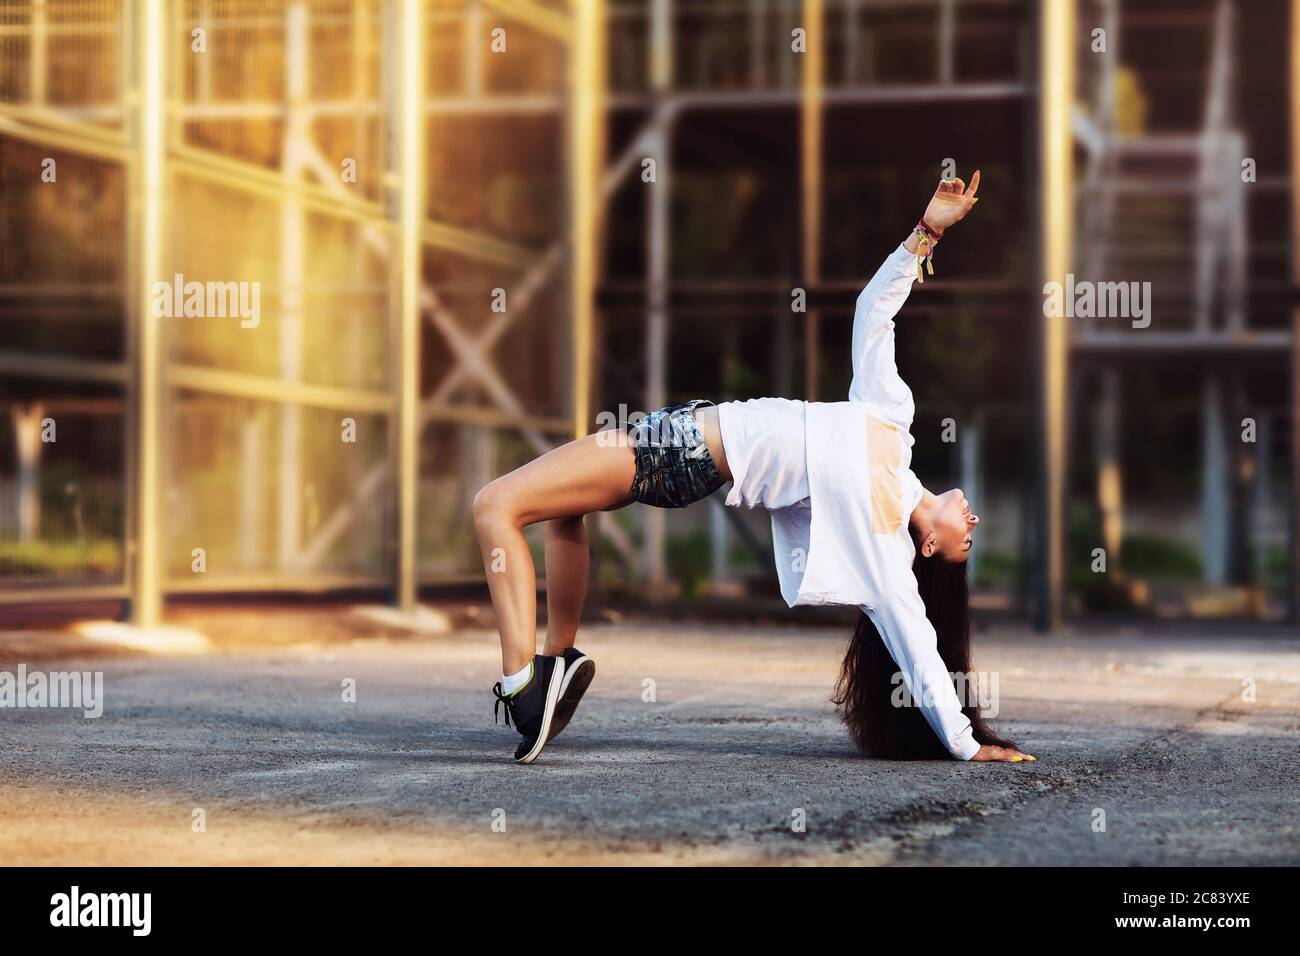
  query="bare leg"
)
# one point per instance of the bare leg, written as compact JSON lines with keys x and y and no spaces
{"x":590,"y":474}
{"x":567,"y":560}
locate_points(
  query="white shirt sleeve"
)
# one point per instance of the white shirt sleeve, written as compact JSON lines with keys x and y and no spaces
{"x":909,"y":636}
{"x":875,"y":376}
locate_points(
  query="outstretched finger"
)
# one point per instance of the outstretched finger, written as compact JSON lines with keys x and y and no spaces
{"x":974,"y":185}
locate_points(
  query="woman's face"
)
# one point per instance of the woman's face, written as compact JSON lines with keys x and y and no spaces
{"x":954,"y":527}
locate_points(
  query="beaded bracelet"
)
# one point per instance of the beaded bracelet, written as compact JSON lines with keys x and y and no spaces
{"x":927,"y":239}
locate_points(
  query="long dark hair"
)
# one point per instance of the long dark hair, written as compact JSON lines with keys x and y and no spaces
{"x":864,"y":692}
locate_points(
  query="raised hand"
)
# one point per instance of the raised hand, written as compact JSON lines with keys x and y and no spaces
{"x":951,"y":202}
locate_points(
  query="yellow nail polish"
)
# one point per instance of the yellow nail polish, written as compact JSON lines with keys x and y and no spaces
{"x":1030,"y":757}
{"x":1017,"y":759}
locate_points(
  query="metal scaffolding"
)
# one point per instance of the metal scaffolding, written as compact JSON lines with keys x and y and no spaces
{"x":393,"y":269}
{"x":1202,"y":276}
{"x":177,"y":123}
{"x":805,"y":58}
{"x":761,"y":73}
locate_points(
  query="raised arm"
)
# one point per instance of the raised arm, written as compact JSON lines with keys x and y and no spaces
{"x":875,"y":375}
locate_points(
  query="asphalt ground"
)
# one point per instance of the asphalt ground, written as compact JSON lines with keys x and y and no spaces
{"x":695,"y":744}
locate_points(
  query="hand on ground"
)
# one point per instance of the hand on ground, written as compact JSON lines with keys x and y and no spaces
{"x":992,"y":754}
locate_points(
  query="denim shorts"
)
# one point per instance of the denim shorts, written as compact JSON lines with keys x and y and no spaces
{"x":673,"y":465}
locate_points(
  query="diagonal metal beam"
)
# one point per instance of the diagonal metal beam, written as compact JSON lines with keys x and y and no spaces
{"x":475,"y":245}
{"x":49,"y":128}
{"x":543,"y":270}
{"x":331,"y":197}
{"x":66,"y":120}
{"x":499,"y":322}
{"x":477,"y":362}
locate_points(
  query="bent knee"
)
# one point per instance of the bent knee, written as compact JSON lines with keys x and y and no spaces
{"x":493,"y":505}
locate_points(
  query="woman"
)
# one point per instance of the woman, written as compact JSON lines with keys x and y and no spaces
{"x":851,"y":525}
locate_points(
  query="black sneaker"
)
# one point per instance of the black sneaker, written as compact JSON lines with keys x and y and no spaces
{"x":533,"y":706}
{"x":579,"y":669}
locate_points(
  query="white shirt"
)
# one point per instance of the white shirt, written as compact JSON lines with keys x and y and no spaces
{"x":837,"y":479}
{"x":769,"y":469}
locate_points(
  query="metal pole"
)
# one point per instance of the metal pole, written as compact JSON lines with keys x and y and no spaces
{"x":252,"y":516}
{"x":412,"y":169}
{"x":27,"y":488}
{"x":1293,"y":613}
{"x":970,"y":454}
{"x":1110,"y":485}
{"x":474,"y":42}
{"x":586,"y":155}
{"x":1294,"y":87}
{"x":1214,"y":484}
{"x":850,"y":28}
{"x":150,"y":183}
{"x":811,"y":168}
{"x":658,"y":242}
{"x":656,"y":337}
{"x":38,"y":61}
{"x":1056,"y":101}
{"x":947,"y":40}
{"x":296,"y":145}
{"x":1261,"y":519}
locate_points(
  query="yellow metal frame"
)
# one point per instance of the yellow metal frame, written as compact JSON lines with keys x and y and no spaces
{"x":541,"y":19}
{"x":150,"y":147}
{"x":586,"y":151}
{"x":411,"y":169}
{"x":149,"y":176}
{"x":47,"y":127}
{"x":812,"y":79}
{"x":1056,"y":150}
